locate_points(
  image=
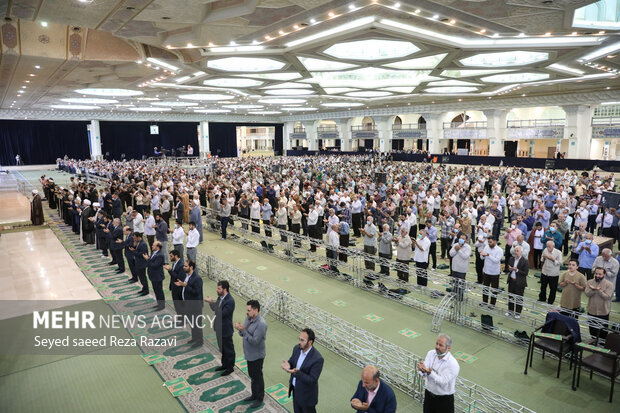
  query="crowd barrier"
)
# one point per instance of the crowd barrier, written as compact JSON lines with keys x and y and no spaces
{"x":360,"y":347}
{"x":456,"y":306}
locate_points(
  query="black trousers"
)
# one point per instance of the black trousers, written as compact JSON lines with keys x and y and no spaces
{"x":118,"y":259}
{"x":537,"y":255}
{"x":515,"y":301}
{"x":314,"y":233}
{"x":228,"y":353}
{"x":344,"y":242}
{"x":489,"y":281}
{"x":356,"y":220}
{"x":422,"y":278}
{"x":192,"y":309}
{"x":255,"y":226}
{"x":445,"y":247}
{"x":296,"y":228}
{"x":141,"y":272}
{"x":298,"y":408}
{"x":403,"y":275}
{"x":433,"y":254}
{"x":587,"y":272}
{"x":369,"y":265}
{"x":224,"y":225}
{"x":479,"y":267}
{"x":255,"y":371}
{"x":552,"y":282}
{"x":438,"y":404}
{"x":158,"y":289}
{"x":385,"y":269}
{"x":595,"y":330}
{"x":458,"y":284}
{"x":282,"y":236}
{"x":132,"y":269}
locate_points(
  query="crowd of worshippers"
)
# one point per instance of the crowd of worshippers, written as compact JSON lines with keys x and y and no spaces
{"x":540,"y":216}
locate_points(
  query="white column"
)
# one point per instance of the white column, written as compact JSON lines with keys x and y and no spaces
{"x":384,"y":126}
{"x":344,"y":132}
{"x":578,"y":131}
{"x":203,"y":139}
{"x":94,"y":140}
{"x":311,"y":135}
{"x":287,"y":129}
{"x":434,"y":131}
{"x":496,"y":130}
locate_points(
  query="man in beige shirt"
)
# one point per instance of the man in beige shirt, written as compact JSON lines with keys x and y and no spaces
{"x":599,"y":291}
{"x":573,"y":283}
{"x":551,"y":259}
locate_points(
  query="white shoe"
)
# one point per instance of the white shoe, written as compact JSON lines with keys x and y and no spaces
{"x":508,"y":314}
{"x":517,"y":316}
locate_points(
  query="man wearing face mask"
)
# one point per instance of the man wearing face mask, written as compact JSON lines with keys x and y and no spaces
{"x":588,"y":251}
{"x":552,"y":234}
{"x":511,"y":237}
{"x":370,"y":241}
{"x":460,"y":253}
{"x":492,"y":256}
{"x":551,"y":259}
{"x":178,"y":237}
{"x":599,"y":292}
{"x":440,"y":370}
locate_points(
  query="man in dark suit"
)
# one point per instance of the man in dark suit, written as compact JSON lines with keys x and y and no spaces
{"x":107,"y":238}
{"x":373,"y":394}
{"x":177,"y":273}
{"x":191,"y":294}
{"x":116,"y":206}
{"x":117,"y":244}
{"x":140,"y":251}
{"x":517,"y":269}
{"x":129,"y":254}
{"x":224,"y":308}
{"x":305,"y":366}
{"x":155,"y":264}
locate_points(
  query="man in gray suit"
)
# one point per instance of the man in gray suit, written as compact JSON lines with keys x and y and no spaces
{"x":517,"y":269}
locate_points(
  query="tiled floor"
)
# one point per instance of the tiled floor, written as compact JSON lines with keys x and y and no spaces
{"x":36,"y":266}
{"x":14,"y":207}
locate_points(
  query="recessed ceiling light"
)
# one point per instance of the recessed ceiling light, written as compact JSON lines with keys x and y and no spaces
{"x":483,"y":30}
{"x":396,"y":5}
{"x":496,"y":35}
{"x":75,"y":107}
{"x":232,"y":82}
{"x":417,"y":11}
{"x":452,"y":21}
{"x":175,"y":104}
{"x":573,"y":34}
{"x":280,"y":32}
{"x":312,"y":21}
{"x":252,"y":64}
{"x":150,"y":109}
{"x":109,"y":92}
{"x":206,"y":96}
{"x":243,"y":106}
{"x":31,"y":75}
{"x":601,"y":32}
{"x":211,"y":110}
{"x":351,"y":7}
{"x":331,"y":14}
{"x":44,"y":24}
{"x":190,"y":45}
{"x":548,"y":34}
{"x":233,"y":43}
{"x":341,"y":104}
{"x":37,"y":67}
{"x":521,"y":35}
{"x":295,"y":26}
{"x":91,"y":101}
{"x":281,"y":101}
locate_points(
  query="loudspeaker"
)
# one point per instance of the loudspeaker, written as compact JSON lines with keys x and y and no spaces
{"x":380,"y":177}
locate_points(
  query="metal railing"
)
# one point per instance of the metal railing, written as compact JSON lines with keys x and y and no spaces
{"x":397,"y":365}
{"x":299,"y":130}
{"x":407,"y":126}
{"x":331,"y":128}
{"x":364,"y":127}
{"x":465,"y":125}
{"x":606,"y":121}
{"x":535,"y":123}
{"x":295,"y":248}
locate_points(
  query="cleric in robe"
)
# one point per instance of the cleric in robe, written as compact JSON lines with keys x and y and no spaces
{"x":36,"y":209}
{"x":88,"y":225}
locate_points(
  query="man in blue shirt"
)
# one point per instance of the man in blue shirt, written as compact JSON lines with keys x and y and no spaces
{"x":588,"y":251}
{"x":552,"y":234}
{"x":543,"y":216}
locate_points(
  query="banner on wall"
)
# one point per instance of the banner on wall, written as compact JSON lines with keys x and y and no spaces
{"x":465,"y":133}
{"x":409,"y":134}
{"x":365,"y":134}
{"x":297,"y":135}
{"x":535,"y":133}
{"x":603,"y":132}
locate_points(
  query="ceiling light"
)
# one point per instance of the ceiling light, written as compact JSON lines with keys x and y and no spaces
{"x":355,"y":24}
{"x":521,"y":35}
{"x":37,"y":67}
{"x":265,"y":112}
{"x":168,"y":46}
{"x":371,"y":49}
{"x":428,"y":62}
{"x":548,"y":34}
{"x":75,"y":107}
{"x":435,"y":17}
{"x":280,"y":32}
{"x":483,"y":30}
{"x":272,"y":76}
{"x":351,"y":7}
{"x":496,"y":35}
{"x":243,"y":106}
{"x":252,"y":64}
{"x":312,"y":21}
{"x":26,"y":81}
{"x":603,"y":51}
{"x":515,"y":77}
{"x":370,"y":77}
{"x":93,"y":101}
{"x":232,"y":82}
{"x":417,"y":11}
{"x":512,"y":58}
{"x":399,"y":89}
{"x":162,"y":63}
{"x":288,"y":85}
{"x":289,"y":92}
{"x":319,"y":64}
{"x":267,"y":37}
{"x":44,"y":24}
{"x":109,"y":92}
{"x":24,"y":87}
{"x":396,"y":5}
{"x":331,"y":14}
{"x":190,"y":45}
{"x":341,"y":104}
{"x":211,"y":110}
{"x":451,"y":89}
{"x":297,"y":109}
{"x":601,"y":32}
{"x":206,"y":96}
{"x":281,"y":101}
{"x":573,"y":34}
{"x":368,"y":94}
{"x":295,"y":26}
{"x":452,"y":82}
{"x":31,"y":75}
{"x":150,"y":109}
{"x":610,"y":103}
{"x":452,"y":21}
{"x":175,"y":104}
{"x":211,"y":44}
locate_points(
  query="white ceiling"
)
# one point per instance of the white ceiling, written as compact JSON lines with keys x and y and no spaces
{"x":261,"y":57}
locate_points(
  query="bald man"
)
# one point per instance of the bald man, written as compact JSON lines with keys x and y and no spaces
{"x":373,"y":394}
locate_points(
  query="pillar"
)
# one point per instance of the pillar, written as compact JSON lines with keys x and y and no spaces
{"x":344,"y":132}
{"x":496,"y":130}
{"x":434,"y":131}
{"x":311,"y":134}
{"x":203,"y":139}
{"x":287,"y":129}
{"x":578,"y":131}
{"x":94,"y":140}
{"x":384,"y":127}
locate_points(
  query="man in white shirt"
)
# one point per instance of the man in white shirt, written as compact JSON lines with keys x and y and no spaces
{"x":440,"y":370}
{"x":550,"y":274}
{"x":420,"y":256}
{"x":138,"y":222}
{"x":492,"y":256}
{"x":178,"y":236}
{"x":334,"y":242}
{"x":314,"y":230}
{"x":149,"y":231}
{"x":193,"y":237}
